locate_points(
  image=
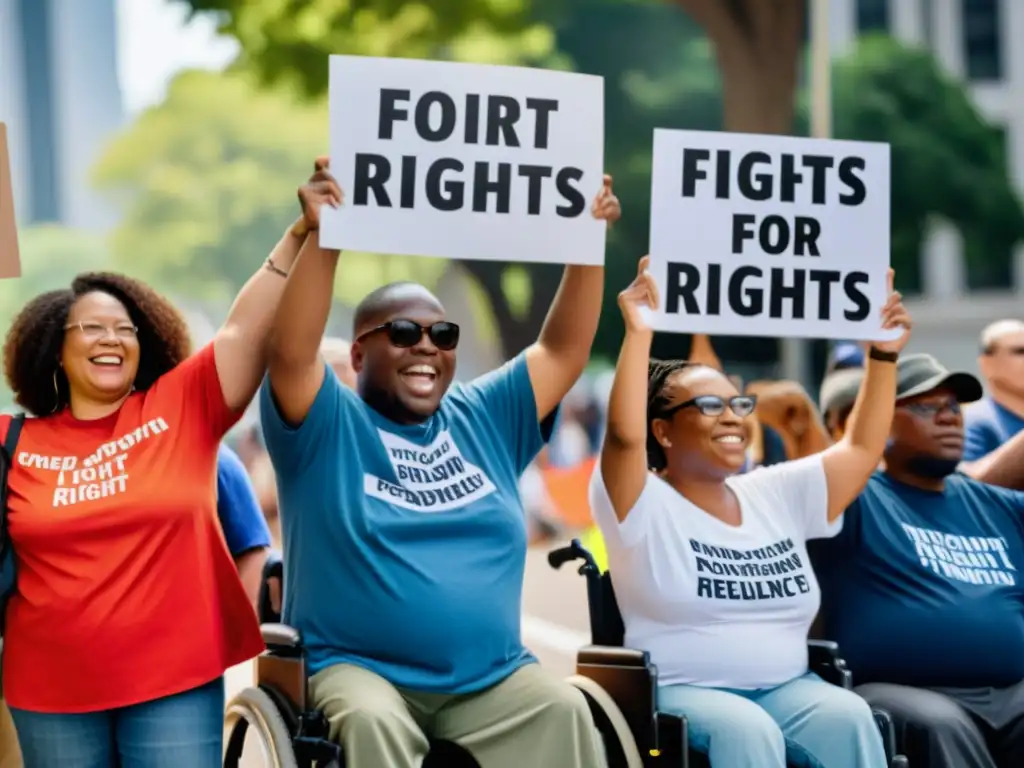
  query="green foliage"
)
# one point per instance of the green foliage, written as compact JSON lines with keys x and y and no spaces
{"x":660,"y":71}
{"x":207,"y":181}
{"x":947,"y":160}
{"x":290,"y":40}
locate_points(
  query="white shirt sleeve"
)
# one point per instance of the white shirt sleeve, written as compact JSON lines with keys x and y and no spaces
{"x":797,"y":488}
{"x":634,"y":528}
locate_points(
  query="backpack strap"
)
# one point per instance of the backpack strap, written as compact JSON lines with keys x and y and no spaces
{"x":6,"y":461}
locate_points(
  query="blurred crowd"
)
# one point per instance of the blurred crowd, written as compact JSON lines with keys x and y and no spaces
{"x":791,"y":423}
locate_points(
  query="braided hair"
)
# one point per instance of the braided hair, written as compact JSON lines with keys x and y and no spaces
{"x":658,"y":374}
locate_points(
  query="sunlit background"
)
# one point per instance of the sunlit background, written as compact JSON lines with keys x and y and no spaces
{"x":166,"y":139}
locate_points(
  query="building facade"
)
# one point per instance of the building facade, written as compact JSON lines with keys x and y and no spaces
{"x":60,"y":97}
{"x":974,"y":41}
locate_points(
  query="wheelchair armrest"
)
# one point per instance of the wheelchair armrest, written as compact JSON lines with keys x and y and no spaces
{"x":825,"y":660}
{"x":282,"y":640}
{"x":613,"y":656}
{"x":888,"y":732}
{"x":629,"y":677}
{"x":273,"y":568}
{"x":673,"y":747}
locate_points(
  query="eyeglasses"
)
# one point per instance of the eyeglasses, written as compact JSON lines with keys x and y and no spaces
{"x":407,"y":333}
{"x":94,"y":330}
{"x":712,"y":405}
{"x":931,"y":410}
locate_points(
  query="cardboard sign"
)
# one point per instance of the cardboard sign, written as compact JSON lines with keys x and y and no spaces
{"x":465,"y":161}
{"x":769,"y":235}
{"x":10,"y":259}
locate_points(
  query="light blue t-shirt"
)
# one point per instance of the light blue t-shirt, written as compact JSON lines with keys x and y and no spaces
{"x":405,"y":546}
{"x":987,"y":425}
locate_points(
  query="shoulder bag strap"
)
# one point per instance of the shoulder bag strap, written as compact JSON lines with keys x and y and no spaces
{"x":6,"y":460}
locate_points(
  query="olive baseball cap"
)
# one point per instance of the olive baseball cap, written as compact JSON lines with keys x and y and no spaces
{"x":920,"y":373}
{"x":839,"y":389}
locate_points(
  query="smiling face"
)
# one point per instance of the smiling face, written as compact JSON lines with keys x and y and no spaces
{"x":697,"y":434}
{"x":100,"y":353}
{"x":404,"y":371}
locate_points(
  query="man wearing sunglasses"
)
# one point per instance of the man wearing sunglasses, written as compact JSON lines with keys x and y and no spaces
{"x":405,"y":538}
{"x":922,"y":587}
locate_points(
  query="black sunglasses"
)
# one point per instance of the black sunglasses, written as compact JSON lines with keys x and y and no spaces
{"x":712,"y":405}
{"x":407,"y":333}
{"x":931,"y":410}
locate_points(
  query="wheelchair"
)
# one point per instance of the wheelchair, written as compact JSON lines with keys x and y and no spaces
{"x":631,"y":678}
{"x":292,"y":734}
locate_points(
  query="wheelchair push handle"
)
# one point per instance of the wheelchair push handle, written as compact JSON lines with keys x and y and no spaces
{"x":574,"y":551}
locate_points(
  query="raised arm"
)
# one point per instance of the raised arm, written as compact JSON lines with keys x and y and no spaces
{"x":240,"y":346}
{"x":557,"y":359}
{"x":849,"y":463}
{"x":296,"y":368}
{"x":624,"y":453}
{"x":1003,"y":467}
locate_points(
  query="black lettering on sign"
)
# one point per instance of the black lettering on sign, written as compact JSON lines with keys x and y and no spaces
{"x":774,"y":234}
{"x":566,"y":182}
{"x":535,"y":175}
{"x":494,"y":119}
{"x":851,"y":287}
{"x":758,"y":176}
{"x":424,"y":111}
{"x":857,"y":192}
{"x":788,"y":293}
{"x":445,"y":194}
{"x":371,"y":173}
{"x":483,"y":186}
{"x":744,"y":300}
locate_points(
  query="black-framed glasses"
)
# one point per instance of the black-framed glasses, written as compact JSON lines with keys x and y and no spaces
{"x":713,"y":405}
{"x":931,"y":410}
{"x":407,"y":333}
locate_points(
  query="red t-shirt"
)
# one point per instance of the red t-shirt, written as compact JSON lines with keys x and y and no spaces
{"x":126,"y":590}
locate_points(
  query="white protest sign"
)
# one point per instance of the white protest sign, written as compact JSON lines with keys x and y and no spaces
{"x":465,"y":161}
{"x":769,"y":235}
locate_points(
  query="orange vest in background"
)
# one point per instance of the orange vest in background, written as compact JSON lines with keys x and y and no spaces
{"x":567,"y":489}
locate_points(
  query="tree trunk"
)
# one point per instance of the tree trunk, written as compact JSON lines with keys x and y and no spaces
{"x":516,"y":333}
{"x":757,"y":44}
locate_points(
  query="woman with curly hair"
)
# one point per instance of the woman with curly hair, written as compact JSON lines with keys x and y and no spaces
{"x":127,"y":608}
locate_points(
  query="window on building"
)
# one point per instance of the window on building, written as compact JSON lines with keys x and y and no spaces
{"x":872,"y":16}
{"x":983,"y":54}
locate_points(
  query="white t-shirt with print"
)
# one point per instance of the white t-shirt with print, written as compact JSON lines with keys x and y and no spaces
{"x":719,"y":605}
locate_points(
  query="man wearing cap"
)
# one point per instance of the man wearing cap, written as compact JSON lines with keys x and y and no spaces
{"x":922,"y":587}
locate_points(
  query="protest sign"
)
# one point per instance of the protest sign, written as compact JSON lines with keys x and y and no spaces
{"x":769,"y":235}
{"x":465,"y":161}
{"x":10,"y":260}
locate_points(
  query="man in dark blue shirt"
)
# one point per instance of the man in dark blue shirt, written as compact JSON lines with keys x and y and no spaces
{"x":922,"y":588}
{"x":241,"y":519}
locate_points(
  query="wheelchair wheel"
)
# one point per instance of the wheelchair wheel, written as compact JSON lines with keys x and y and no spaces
{"x":254,"y":711}
{"x":620,"y":746}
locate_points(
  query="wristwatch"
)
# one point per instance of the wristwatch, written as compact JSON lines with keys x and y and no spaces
{"x":886,"y":357}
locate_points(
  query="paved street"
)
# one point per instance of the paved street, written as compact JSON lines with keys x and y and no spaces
{"x":554,"y":620}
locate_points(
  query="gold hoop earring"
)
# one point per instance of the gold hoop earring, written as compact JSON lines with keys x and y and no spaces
{"x":56,"y":393}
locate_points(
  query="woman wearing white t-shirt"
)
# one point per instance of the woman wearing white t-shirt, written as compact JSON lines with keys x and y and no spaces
{"x":710,"y":566}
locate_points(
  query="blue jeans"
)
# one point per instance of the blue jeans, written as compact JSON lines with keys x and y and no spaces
{"x":186,"y":729}
{"x":806,"y":721}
